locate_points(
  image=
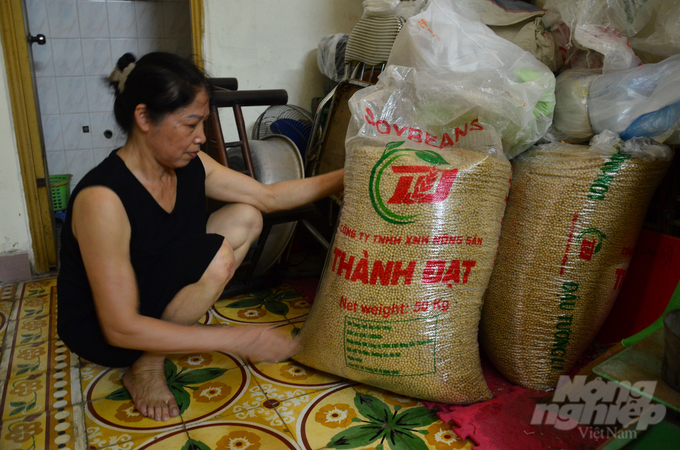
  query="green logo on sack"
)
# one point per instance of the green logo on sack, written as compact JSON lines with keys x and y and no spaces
{"x":431,"y":185}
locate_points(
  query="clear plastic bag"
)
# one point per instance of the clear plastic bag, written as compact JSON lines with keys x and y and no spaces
{"x":638,"y":102}
{"x":603,"y":26}
{"x":571,"y":121}
{"x":477,"y":70}
{"x":573,"y":216}
{"x":399,"y":301}
{"x":330,"y":56}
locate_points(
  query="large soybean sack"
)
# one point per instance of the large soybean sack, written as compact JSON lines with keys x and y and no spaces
{"x":571,"y":224}
{"x":399,"y":302}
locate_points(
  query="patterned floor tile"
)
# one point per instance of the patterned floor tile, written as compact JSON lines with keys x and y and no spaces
{"x":36,"y":393}
{"x":270,"y":306}
{"x":35,"y":358}
{"x":362,"y":417}
{"x":38,"y":305}
{"x":60,"y":428}
{"x":5,"y":313}
{"x":8,"y":291}
{"x":252,"y":422}
{"x":172,"y":439}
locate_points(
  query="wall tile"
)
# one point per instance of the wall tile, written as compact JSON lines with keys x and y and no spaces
{"x":36,"y":11}
{"x":72,"y":95}
{"x":92,"y":20}
{"x":122,"y":22}
{"x":121,"y":46}
{"x":99,"y":95}
{"x":42,"y":59}
{"x":149,"y":19}
{"x":72,"y":128}
{"x":62,"y":16}
{"x":47,"y":95}
{"x":51,"y":126}
{"x":68,"y":57}
{"x":78,"y":163}
{"x":176,"y":19}
{"x":56,"y":163}
{"x":150,"y":45}
{"x":99,"y":123}
{"x":100,"y":154}
{"x":97,"y":56}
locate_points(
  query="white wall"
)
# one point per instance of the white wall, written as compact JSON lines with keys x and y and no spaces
{"x":272,"y":45}
{"x":14,"y":231}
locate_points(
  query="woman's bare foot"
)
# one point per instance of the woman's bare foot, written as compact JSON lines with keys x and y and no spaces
{"x":146,"y":383}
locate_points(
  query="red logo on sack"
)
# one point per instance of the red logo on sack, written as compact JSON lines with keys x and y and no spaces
{"x":431,"y":185}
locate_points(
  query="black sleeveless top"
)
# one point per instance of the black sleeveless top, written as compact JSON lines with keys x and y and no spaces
{"x":154,"y":231}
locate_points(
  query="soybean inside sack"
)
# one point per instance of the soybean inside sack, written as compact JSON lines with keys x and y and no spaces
{"x":570,"y":228}
{"x":398,"y":305}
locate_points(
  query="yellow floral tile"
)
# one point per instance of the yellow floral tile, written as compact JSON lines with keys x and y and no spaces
{"x":269,"y":306}
{"x":163,"y":440}
{"x":5,"y":313}
{"x":36,"y":288}
{"x":34,"y":330}
{"x":226,"y":434}
{"x":38,"y":305}
{"x":362,"y":417}
{"x":37,"y":393}
{"x":7,"y":291}
{"x":36,"y":358}
{"x":204,"y":385}
{"x":57,"y":429}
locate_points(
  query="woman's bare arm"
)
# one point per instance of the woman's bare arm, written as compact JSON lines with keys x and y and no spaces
{"x":230,"y":186}
{"x":103,"y":231}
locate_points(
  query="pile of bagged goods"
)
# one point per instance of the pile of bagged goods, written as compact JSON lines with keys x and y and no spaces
{"x":497,"y":177}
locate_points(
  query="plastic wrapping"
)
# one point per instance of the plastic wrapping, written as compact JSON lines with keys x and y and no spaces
{"x":604,"y":26}
{"x":399,"y":301}
{"x":570,"y":228}
{"x":644,"y":101}
{"x":570,"y":120}
{"x":476,"y":69}
{"x":330,"y":56}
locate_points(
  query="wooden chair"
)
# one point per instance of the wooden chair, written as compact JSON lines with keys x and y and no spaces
{"x":226,"y":95}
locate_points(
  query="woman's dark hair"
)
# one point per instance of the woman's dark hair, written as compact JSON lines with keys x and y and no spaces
{"x":164,"y":82}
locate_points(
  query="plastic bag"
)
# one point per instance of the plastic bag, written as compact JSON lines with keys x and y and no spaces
{"x":330,"y":56}
{"x":571,"y":121}
{"x":660,"y":38}
{"x":517,"y":21}
{"x":638,"y":102}
{"x":615,"y":28}
{"x":573,"y":216}
{"x":476,"y":69}
{"x":401,"y":8}
{"x":400,"y":296}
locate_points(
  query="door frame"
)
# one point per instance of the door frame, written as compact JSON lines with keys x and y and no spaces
{"x":30,"y":147}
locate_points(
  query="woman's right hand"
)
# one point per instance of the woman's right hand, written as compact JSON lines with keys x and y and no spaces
{"x":263,"y":343}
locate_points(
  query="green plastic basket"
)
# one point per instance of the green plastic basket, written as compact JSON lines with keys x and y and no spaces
{"x":60,"y":186}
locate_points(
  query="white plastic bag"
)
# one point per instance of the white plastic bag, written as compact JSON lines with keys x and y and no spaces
{"x":487,"y":75}
{"x":571,"y":121}
{"x":330,"y":56}
{"x":644,"y":101}
{"x":611,"y":27}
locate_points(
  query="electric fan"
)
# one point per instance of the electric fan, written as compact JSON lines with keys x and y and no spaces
{"x":291,"y":121}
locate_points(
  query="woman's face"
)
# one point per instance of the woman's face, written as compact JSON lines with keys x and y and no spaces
{"x":176,"y":139}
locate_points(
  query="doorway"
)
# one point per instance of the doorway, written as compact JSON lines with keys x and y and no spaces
{"x":57,"y":128}
{"x":84,"y":39}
